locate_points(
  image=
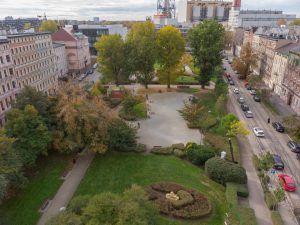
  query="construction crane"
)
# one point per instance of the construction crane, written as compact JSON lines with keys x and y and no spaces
{"x":166,"y":8}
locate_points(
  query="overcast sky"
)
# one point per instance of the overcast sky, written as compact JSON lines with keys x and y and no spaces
{"x":114,"y":9}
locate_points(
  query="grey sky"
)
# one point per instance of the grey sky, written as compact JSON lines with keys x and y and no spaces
{"x":114,"y":9}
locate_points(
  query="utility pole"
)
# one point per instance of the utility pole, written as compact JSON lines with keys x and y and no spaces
{"x":231,"y":149}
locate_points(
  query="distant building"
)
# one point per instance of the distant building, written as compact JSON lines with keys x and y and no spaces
{"x":199,"y":10}
{"x":34,"y":61}
{"x":61,"y":59}
{"x":94,"y":32}
{"x":256,"y":18}
{"x":18,"y":24}
{"x":96,"y":19}
{"x":9,"y":88}
{"x":77,"y":48}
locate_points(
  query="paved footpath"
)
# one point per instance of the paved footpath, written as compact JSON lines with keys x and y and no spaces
{"x":68,"y":188}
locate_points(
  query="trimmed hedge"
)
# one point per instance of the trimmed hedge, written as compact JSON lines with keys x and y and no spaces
{"x":270,"y":200}
{"x":199,"y":154}
{"x":185,"y":198}
{"x":222,"y":171}
{"x":276,"y":218}
{"x":247,"y":216}
{"x":242,"y":189}
{"x":162,"y":150}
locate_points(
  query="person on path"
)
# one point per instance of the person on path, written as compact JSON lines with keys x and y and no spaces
{"x":139,"y":125}
{"x":269,"y":120}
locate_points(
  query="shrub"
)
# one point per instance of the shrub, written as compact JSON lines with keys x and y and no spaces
{"x":199,"y":154}
{"x":186,"y":80}
{"x":270,"y":200}
{"x":222,"y":171}
{"x":179,"y":153}
{"x":255,"y":160}
{"x":140,"y":148}
{"x":121,"y":136}
{"x":241,"y":189}
{"x":78,"y":204}
{"x":140,"y":110}
{"x":185,"y":198}
{"x":112,"y":102}
{"x":162,"y":151}
{"x":179,"y":146}
{"x":276,"y":218}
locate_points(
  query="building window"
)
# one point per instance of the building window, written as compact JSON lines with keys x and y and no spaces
{"x":11,"y":72}
{"x":7,"y":58}
{"x":3,"y":88}
{"x":1,"y":59}
{"x":13,"y":84}
{"x":2,"y":106}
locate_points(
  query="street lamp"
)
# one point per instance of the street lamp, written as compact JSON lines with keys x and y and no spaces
{"x":231,"y":149}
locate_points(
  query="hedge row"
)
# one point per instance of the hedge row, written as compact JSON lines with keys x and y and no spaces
{"x":242,"y":189}
{"x":276,"y":218}
{"x":247,"y":216}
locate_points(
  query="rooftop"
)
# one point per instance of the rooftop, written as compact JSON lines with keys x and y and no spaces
{"x":27,"y":34}
{"x":57,"y":45}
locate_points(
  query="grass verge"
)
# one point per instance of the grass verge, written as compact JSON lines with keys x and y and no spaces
{"x":43,"y":184}
{"x":115,"y":173}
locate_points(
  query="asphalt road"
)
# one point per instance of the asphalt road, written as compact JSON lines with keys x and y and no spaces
{"x":274,"y":142}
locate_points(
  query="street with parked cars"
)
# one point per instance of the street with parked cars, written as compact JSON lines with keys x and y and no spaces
{"x":268,"y":134}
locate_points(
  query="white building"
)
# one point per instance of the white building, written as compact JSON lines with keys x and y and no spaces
{"x":257,"y":18}
{"x":61,"y":59}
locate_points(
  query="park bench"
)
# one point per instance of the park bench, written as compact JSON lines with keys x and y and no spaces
{"x":183,"y":86}
{"x":45,"y":205}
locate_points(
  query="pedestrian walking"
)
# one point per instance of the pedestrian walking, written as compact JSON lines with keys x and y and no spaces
{"x":139,"y":125}
{"x":269,"y":120}
{"x":74,"y":160}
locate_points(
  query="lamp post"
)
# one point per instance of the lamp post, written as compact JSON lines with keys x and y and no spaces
{"x":231,"y":149}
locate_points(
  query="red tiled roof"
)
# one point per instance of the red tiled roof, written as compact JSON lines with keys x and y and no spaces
{"x":62,"y":35}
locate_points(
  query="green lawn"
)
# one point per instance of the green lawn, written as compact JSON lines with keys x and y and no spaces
{"x":117,"y":172}
{"x":23,"y":208}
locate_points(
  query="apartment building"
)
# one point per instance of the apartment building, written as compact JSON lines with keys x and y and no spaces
{"x":34,"y":60}
{"x":61,"y":59}
{"x":8,"y":89}
{"x":77,"y":48}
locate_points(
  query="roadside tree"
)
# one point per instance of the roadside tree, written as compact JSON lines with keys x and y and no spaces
{"x":295,"y":22}
{"x":142,"y":50}
{"x":207,"y":40}
{"x":248,"y":58}
{"x":170,"y":50}
{"x":112,"y":57}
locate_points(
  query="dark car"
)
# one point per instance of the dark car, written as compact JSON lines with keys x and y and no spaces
{"x":294,"y":146}
{"x":256,"y":98}
{"x":245,"y":107}
{"x":90,"y":71}
{"x":278,"y":163}
{"x":248,"y":87}
{"x":231,"y":82}
{"x":278,"y":127}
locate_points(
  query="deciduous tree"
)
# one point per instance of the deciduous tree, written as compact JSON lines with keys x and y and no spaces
{"x":170,"y":50}
{"x":48,"y":26}
{"x":112,"y":57}
{"x":31,"y":134}
{"x":248,"y":58}
{"x":237,"y":128}
{"x":141,"y":41}
{"x":295,"y":22}
{"x":207,"y":40}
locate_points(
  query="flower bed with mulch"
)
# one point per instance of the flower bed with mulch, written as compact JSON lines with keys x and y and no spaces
{"x":191,"y":204}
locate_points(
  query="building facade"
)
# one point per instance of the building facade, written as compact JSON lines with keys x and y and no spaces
{"x":199,"y":10}
{"x":9,"y":88}
{"x":61,"y":59}
{"x":256,"y":18}
{"x":34,"y":60}
{"x":279,"y":68}
{"x":18,"y":24}
{"x":291,"y":84}
{"x":77,"y":49}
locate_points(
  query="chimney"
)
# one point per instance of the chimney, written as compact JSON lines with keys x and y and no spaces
{"x":236,"y":4}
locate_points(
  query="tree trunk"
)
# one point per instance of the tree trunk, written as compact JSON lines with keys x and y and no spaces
{"x":169,"y":80}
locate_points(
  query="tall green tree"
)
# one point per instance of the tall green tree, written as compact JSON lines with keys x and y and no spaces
{"x":111,"y":57}
{"x":207,"y":40}
{"x":48,"y":26}
{"x":31,"y":134}
{"x":142,"y":49}
{"x":170,"y":50}
{"x":41,"y":102}
{"x":248,"y":58}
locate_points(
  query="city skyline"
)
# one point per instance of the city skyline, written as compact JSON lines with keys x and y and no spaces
{"x":113,"y":9}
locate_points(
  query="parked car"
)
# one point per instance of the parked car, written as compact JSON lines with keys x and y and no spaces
{"x":231,"y":82}
{"x":252,"y":92}
{"x":241,"y":100}
{"x":224,"y":68}
{"x":229,"y":61}
{"x":278,"y":127}
{"x":294,"y":146}
{"x":90,"y":71}
{"x":258,"y":132}
{"x":287,"y":182}
{"x":95,"y":66}
{"x":236,"y":90}
{"x":249,"y":114}
{"x":278,"y":163}
{"x":249,"y":87}
{"x":256,"y":98}
{"x":245,"y":107}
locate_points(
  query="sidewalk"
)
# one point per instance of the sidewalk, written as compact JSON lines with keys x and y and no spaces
{"x":68,"y":188}
{"x":281,"y":106}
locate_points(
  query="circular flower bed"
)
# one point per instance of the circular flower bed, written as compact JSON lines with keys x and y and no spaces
{"x":190,"y":203}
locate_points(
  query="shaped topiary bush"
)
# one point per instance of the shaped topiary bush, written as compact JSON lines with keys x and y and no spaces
{"x":199,"y":154}
{"x":222,"y":171}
